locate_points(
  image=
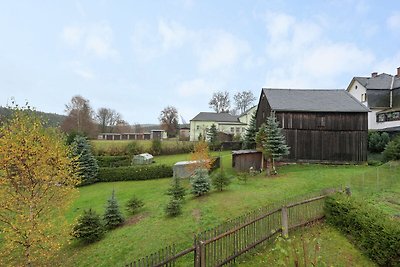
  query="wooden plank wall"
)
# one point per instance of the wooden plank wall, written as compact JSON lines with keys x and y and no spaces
{"x":243,"y":162}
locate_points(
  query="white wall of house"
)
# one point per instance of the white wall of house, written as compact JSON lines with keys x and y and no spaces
{"x":374,"y":125}
{"x":201,"y":127}
{"x":357,"y":90}
{"x":247,"y":117}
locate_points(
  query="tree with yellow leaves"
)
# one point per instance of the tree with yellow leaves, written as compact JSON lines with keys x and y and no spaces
{"x":37,"y":185}
{"x":201,"y":157}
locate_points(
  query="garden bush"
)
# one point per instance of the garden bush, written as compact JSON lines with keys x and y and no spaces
{"x":392,"y":150}
{"x":133,"y":148}
{"x":377,"y":141}
{"x":134,"y":204}
{"x":373,"y":232}
{"x":155,"y":147}
{"x":134,"y":173}
{"x":113,"y":161}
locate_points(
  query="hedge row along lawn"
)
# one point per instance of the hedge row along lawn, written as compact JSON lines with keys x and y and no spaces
{"x":150,"y":230}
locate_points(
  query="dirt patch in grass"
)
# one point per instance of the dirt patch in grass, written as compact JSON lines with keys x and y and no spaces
{"x":136,"y":218}
{"x":196,"y":214}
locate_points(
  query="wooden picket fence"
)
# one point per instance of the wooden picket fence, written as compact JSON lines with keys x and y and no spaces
{"x":223,"y":244}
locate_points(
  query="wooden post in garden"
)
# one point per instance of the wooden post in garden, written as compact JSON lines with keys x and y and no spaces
{"x":197,"y":252}
{"x":202,"y":254}
{"x":285,"y":223}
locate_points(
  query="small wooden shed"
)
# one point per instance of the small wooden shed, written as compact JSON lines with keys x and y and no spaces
{"x":184,"y":169}
{"x":243,"y":160}
{"x":142,"y":159}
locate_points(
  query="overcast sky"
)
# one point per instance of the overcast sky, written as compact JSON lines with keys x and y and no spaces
{"x":138,"y":57}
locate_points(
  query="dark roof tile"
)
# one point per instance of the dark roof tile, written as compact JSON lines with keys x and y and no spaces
{"x":312,"y":100}
{"x":218,"y":117}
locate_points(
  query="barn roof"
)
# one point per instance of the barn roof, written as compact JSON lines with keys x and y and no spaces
{"x":217,"y":117}
{"x":312,"y":100}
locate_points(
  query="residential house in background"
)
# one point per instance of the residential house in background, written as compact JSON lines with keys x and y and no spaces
{"x":246,"y":116}
{"x":225,"y":123}
{"x":319,"y":125}
{"x":381,"y":94}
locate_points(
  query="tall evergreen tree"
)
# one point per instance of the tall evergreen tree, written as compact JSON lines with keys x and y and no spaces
{"x":273,"y":143}
{"x":200,"y":182}
{"x":89,"y":227}
{"x":251,"y":132}
{"x":88,"y":167}
{"x":112,"y":216}
{"x":212,"y":135}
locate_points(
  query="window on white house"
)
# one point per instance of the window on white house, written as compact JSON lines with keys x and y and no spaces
{"x":232,"y":129}
{"x":198,"y":127}
{"x":363,"y":97}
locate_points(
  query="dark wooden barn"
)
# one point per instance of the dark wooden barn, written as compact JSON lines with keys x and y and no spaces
{"x":319,"y":125}
{"x":243,"y":160}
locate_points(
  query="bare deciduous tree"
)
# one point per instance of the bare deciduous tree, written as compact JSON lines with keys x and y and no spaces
{"x":243,"y":100}
{"x":107,"y":119}
{"x":169,"y":120}
{"x":220,"y":102}
{"x":80,"y":117}
{"x":122,"y":126}
{"x":137,"y":128}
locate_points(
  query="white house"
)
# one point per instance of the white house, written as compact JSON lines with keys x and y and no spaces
{"x":381,"y":94}
{"x":246,"y":116}
{"x":224,"y":122}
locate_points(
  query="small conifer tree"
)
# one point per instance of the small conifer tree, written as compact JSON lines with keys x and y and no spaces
{"x":220,"y":180}
{"x":176,"y":190}
{"x":200,"y":182}
{"x":87,"y":164}
{"x":89,"y":227}
{"x":112,"y":216}
{"x":174,"y":207}
{"x":249,"y":141}
{"x":134,"y":204}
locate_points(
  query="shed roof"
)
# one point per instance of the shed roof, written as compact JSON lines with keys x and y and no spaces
{"x":245,"y":151}
{"x":312,"y":100}
{"x":213,"y":116}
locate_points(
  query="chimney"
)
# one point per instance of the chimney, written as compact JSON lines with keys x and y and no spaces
{"x":374,"y":74}
{"x":398,"y":72}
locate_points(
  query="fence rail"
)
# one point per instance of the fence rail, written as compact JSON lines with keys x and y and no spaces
{"x":223,"y":244}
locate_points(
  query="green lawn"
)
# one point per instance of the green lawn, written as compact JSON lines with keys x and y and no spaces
{"x":320,"y":241}
{"x":151,"y":230}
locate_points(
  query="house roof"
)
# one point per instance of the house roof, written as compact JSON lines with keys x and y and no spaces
{"x":312,"y":100}
{"x":247,"y":111}
{"x":217,"y":117}
{"x":379,"y":82}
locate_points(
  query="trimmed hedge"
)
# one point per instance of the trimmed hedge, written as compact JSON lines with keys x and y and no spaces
{"x":134,"y":173}
{"x":373,"y":232}
{"x":113,"y":161}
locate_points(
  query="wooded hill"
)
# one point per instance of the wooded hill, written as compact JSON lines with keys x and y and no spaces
{"x":50,"y":119}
